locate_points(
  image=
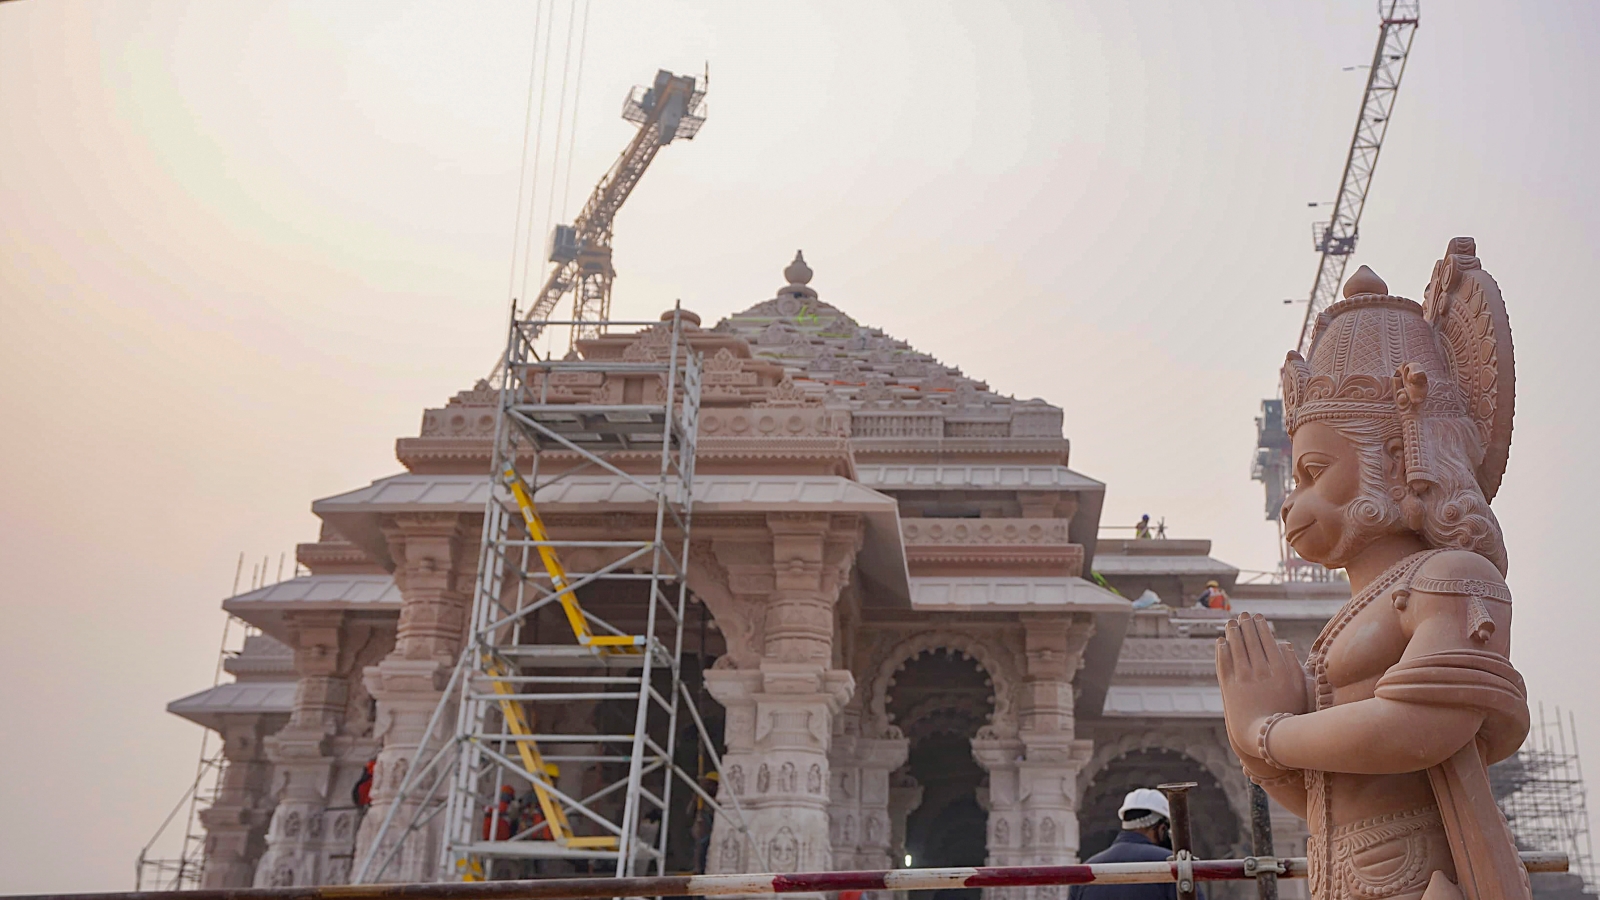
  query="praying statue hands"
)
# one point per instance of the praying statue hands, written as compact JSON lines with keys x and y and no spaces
{"x":1261,"y":678}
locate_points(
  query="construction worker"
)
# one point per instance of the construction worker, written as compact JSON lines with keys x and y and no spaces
{"x":1146,"y":837}
{"x":704,"y":818}
{"x":361,"y":792}
{"x":1141,"y":531}
{"x":1213,"y":597}
{"x":497,"y":816}
{"x":529,"y":816}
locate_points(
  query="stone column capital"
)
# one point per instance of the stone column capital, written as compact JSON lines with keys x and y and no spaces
{"x":996,"y":752}
{"x":1053,"y":644}
{"x":887,"y":754}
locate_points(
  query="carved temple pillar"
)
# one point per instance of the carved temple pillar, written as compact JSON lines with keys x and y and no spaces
{"x":435,"y":558}
{"x":316,"y":757}
{"x":782,"y":698}
{"x":236,"y":822}
{"x":858,"y":804}
{"x":1033,"y":778}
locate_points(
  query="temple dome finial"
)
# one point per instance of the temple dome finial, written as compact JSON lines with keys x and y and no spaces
{"x":1365,"y":281}
{"x":798,"y":272}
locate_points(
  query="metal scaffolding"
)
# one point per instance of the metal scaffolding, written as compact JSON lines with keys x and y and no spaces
{"x":1541,"y":792}
{"x":184,"y":868}
{"x":496,"y":781}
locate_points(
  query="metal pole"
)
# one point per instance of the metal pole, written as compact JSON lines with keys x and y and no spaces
{"x":1165,"y":872}
{"x":1182,"y":846}
{"x":1261,"y":842}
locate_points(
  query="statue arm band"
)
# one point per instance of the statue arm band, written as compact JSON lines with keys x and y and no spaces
{"x":1481,"y":626}
{"x":1475,"y":680}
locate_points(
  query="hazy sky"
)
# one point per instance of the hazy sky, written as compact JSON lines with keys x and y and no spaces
{"x":244,"y":244}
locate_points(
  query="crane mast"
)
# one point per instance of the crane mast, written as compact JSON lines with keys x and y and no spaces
{"x":1335,"y":240}
{"x":580,"y":253}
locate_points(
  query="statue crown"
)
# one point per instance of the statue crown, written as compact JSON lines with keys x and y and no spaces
{"x":1375,"y":356}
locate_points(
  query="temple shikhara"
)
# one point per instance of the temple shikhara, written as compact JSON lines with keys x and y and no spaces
{"x":905,"y":640}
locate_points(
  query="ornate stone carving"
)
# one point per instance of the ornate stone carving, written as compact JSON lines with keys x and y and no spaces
{"x":784,"y":851}
{"x":732,"y":858}
{"x":980,"y":532}
{"x":993,"y":663}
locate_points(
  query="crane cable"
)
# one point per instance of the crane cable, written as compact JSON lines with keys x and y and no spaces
{"x":533,"y":131}
{"x":561,"y":114}
{"x":577,"y":91}
{"x":522,"y":171}
{"x":538,"y":152}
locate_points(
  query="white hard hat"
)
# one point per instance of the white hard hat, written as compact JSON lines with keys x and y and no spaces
{"x":1144,"y":798}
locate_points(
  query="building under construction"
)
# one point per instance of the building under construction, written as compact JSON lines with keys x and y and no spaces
{"x":782,"y":593}
{"x":1541,"y":792}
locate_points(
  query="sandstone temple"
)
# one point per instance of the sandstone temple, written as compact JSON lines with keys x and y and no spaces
{"x":977,"y":687}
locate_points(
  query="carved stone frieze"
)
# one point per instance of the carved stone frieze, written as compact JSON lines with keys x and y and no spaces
{"x":984,"y":532}
{"x":1172,"y":657}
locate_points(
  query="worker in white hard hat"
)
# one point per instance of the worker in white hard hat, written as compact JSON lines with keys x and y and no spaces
{"x":1146,"y":836}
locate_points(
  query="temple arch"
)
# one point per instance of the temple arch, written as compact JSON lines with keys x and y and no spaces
{"x":1147,"y":758}
{"x":940,"y":700}
{"x":993,"y":663}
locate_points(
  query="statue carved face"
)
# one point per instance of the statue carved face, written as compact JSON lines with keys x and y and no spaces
{"x":1351,"y":489}
{"x":1344,"y":495}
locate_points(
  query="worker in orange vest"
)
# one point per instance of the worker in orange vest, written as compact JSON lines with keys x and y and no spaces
{"x":1214,"y":597}
{"x":497,"y":816}
{"x":361,"y":793}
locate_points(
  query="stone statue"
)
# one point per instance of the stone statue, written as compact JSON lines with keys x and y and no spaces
{"x":1401,"y":426}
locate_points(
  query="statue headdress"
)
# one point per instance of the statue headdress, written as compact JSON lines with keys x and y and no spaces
{"x":1378,"y":356}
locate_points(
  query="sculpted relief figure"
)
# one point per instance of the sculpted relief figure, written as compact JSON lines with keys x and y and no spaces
{"x":1401,"y":427}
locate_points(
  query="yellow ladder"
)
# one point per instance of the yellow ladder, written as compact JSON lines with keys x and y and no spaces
{"x":606,"y":644}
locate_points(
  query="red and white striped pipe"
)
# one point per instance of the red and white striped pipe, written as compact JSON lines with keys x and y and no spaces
{"x":798,"y":883}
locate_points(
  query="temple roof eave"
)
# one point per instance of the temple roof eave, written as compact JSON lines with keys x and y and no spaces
{"x":211,"y":707}
{"x":1090,"y":493}
{"x":357,"y":514}
{"x":266,"y":607}
{"x":1163,"y":701}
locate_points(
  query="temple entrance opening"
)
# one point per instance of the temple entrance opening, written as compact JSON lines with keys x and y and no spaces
{"x":1213,"y":823}
{"x":940,"y":698}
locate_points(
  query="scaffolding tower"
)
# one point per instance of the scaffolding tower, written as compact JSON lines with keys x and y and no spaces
{"x":184,"y":870}
{"x":495,"y":780}
{"x":1540,"y":791}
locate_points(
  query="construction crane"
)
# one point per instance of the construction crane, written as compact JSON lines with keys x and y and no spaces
{"x":580,"y":253}
{"x":1335,"y":239}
